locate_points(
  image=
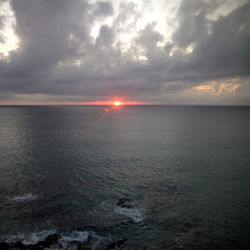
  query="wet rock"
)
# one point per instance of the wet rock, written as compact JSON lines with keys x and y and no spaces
{"x":120,"y":243}
{"x":4,"y":246}
{"x":18,"y":245}
{"x":48,"y":241}
{"x":34,"y":247}
{"x":89,"y":241}
{"x":52,"y":239}
{"x":59,"y":245}
{"x":115,"y":244}
{"x":86,"y":245}
{"x":82,"y":246}
{"x":125,"y":202}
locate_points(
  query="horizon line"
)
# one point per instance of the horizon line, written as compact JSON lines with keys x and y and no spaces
{"x":229,"y":105}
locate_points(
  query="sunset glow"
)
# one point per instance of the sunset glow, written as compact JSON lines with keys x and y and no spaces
{"x":117,"y":103}
{"x":118,"y":53}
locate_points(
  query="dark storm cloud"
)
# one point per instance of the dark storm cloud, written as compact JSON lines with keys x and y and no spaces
{"x":221,"y":47}
{"x":55,"y":35}
{"x":193,"y":22}
{"x":220,"y":50}
{"x":43,"y":28}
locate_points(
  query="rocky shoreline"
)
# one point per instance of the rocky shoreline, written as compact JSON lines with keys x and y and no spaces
{"x":52,"y":242}
{"x":79,"y":239}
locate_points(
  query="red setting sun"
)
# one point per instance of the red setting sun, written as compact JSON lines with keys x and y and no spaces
{"x":114,"y":103}
{"x":117,"y":103}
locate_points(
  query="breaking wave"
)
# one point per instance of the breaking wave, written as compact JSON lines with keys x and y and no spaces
{"x":132,"y":213}
{"x":53,"y":240}
{"x":127,"y":207}
{"x":24,"y":197}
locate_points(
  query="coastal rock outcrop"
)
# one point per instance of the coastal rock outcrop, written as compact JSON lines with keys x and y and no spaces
{"x":128,"y":207}
{"x":125,"y":203}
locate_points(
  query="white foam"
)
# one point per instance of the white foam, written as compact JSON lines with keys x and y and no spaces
{"x":35,"y":237}
{"x":66,"y":239}
{"x":79,"y":236}
{"x":132,"y":213}
{"x":31,"y":238}
{"x":25,"y":197}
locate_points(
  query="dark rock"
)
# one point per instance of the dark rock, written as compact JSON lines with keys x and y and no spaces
{"x":120,"y":243}
{"x":52,"y":239}
{"x":110,"y":246}
{"x":115,"y":244}
{"x":48,"y":241}
{"x":60,"y":245}
{"x":4,"y":246}
{"x":82,"y":246}
{"x":34,"y":247}
{"x":42,"y":243}
{"x":125,"y":202}
{"x":18,"y":245}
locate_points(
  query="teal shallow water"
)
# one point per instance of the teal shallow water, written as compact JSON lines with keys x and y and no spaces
{"x":186,"y":168}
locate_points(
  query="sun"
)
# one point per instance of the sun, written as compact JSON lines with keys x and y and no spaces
{"x":117,"y":103}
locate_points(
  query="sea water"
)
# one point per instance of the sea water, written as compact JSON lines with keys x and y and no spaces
{"x":186,"y":168}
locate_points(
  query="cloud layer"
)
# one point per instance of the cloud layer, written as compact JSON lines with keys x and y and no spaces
{"x":96,"y":50}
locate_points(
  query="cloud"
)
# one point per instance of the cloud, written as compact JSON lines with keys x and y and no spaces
{"x":218,"y":88}
{"x":58,"y":54}
{"x":103,"y":8}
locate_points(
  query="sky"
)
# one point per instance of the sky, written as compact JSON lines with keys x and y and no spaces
{"x":173,"y":52}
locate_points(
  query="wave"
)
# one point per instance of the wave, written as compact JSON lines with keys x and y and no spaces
{"x":75,"y":236}
{"x":30,"y":238}
{"x":51,"y":239}
{"x":127,"y":207}
{"x":132,"y":213}
{"x":24,"y":197}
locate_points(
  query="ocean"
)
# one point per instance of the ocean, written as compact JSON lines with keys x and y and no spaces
{"x":159,"y":177}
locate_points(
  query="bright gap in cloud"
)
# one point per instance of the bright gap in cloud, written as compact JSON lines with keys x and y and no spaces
{"x":8,"y":39}
{"x":218,"y":88}
{"x":137,"y":15}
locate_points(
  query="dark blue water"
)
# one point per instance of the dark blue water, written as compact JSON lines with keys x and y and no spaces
{"x":186,"y":169}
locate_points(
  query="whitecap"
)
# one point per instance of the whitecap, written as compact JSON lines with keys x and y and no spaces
{"x":77,"y":236}
{"x":66,"y":240}
{"x":29,"y":238}
{"x":132,"y":213}
{"x":35,"y":237}
{"x":24,"y":197}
